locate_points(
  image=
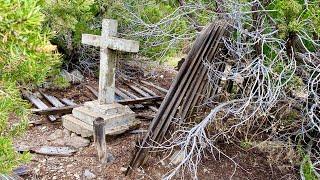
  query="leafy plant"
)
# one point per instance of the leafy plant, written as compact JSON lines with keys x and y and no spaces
{"x":26,"y":60}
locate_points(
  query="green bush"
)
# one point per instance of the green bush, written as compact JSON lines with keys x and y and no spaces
{"x":85,"y":16}
{"x":26,"y":60}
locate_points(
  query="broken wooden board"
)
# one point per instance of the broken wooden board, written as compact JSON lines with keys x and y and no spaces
{"x":68,"y":109}
{"x":38,"y":103}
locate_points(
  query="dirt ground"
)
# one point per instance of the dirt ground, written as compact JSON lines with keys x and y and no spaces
{"x":254,"y":164}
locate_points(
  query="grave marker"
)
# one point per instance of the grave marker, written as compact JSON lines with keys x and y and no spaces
{"x":118,"y":118}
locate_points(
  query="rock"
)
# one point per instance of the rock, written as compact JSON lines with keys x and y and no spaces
{"x":123,"y":169}
{"x":77,"y":142}
{"x":21,"y":170}
{"x":56,"y":135}
{"x":177,"y":157}
{"x":74,"y":76}
{"x":88,"y":175}
{"x":54,"y":151}
{"x":110,"y":158}
{"x":59,"y":142}
{"x":66,"y":133}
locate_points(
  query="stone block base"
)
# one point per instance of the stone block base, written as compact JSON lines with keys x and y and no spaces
{"x":118,"y":118}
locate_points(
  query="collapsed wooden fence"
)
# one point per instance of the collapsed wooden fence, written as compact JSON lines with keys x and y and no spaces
{"x":140,"y":95}
{"x":186,"y":90}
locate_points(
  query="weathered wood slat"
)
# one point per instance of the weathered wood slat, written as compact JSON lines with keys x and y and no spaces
{"x":142,"y":93}
{"x":138,"y":90}
{"x":163,"y":90}
{"x":53,"y":100}
{"x":93,"y":91}
{"x":68,"y":102}
{"x":131,"y":96}
{"x":181,"y":92}
{"x":121,"y":94}
{"x":38,"y":103}
{"x":147,"y":90}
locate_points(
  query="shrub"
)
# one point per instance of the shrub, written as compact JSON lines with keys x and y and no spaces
{"x":26,"y":60}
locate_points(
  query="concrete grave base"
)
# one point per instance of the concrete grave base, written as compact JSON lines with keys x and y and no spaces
{"x":118,"y":118}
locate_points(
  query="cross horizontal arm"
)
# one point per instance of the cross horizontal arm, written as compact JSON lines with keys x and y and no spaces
{"x":113,"y":43}
{"x":124,"y":45}
{"x":93,"y":40}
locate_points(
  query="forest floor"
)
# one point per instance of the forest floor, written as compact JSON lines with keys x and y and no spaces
{"x":252,"y":164}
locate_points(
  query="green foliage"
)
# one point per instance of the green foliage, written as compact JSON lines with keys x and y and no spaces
{"x":246,"y":144}
{"x":308,"y":169}
{"x":60,"y":82}
{"x":294,"y":16}
{"x":85,"y":16}
{"x":9,"y":159}
{"x":26,"y":59}
{"x":68,"y":19}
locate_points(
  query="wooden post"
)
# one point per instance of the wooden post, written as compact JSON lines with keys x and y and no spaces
{"x":100,"y":139}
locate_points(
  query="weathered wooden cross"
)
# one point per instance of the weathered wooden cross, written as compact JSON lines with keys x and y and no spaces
{"x":109,"y":43}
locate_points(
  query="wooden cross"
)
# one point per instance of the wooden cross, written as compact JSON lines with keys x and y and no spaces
{"x":109,"y":43}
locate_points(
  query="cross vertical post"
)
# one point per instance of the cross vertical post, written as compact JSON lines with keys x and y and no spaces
{"x":107,"y":64}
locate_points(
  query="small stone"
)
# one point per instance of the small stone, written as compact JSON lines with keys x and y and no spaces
{"x":66,"y":133}
{"x":123,"y":169}
{"x":88,"y":175}
{"x":74,"y":76}
{"x":177,"y":157}
{"x":110,"y":158}
{"x":56,"y":135}
{"x":77,"y":142}
{"x":162,"y":163}
{"x":77,"y":176}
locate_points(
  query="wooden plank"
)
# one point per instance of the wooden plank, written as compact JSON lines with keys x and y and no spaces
{"x":68,"y":109}
{"x":138,"y":90}
{"x":142,"y":93}
{"x":38,"y":103}
{"x":55,"y":110}
{"x":131,"y":96}
{"x":147,"y":90}
{"x":141,"y":100}
{"x":121,"y":94}
{"x":165,"y":91}
{"x":68,"y":102}
{"x":93,"y":91}
{"x":53,"y":100}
